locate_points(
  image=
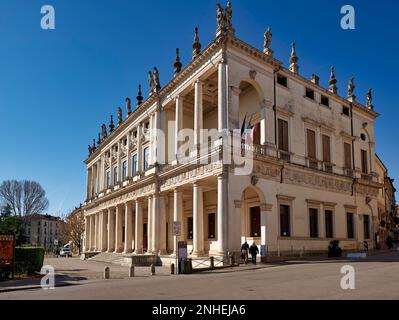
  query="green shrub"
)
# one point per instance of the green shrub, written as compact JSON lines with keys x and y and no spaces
{"x":28,"y":259}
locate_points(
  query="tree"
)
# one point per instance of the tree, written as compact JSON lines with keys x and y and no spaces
{"x":23,"y":197}
{"x":6,"y":210}
{"x":74,"y":228}
{"x":13,"y":225}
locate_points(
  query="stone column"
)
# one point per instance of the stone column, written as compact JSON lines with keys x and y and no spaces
{"x":104,"y":235}
{"x":198,"y":220}
{"x":149,"y":226}
{"x":118,"y":229}
{"x":233,"y":111}
{"x":88,"y":177}
{"x":138,"y":234}
{"x":155,"y":224}
{"x":128,"y":158}
{"x":87,"y":234}
{"x":222,"y":96}
{"x":263,"y":232}
{"x":111,"y":230}
{"x":179,"y":122}
{"x":139,"y":149}
{"x":198,"y":112}
{"x":92,"y":233}
{"x":222,"y":213}
{"x":178,"y":214}
{"x":119,"y":162}
{"x":162,"y":224}
{"x":128,"y":228}
{"x":103,"y":174}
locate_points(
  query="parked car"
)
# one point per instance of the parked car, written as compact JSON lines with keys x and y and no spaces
{"x":66,"y":252}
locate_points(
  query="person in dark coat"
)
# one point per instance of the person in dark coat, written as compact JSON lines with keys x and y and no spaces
{"x":390,"y":242}
{"x":244,"y":252}
{"x":253,"y":250}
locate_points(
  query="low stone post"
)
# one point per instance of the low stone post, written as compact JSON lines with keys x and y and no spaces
{"x":172,"y":268}
{"x":232,"y":260}
{"x":107,"y":272}
{"x":153,"y":270}
{"x":212,"y":263}
{"x":131,"y":272}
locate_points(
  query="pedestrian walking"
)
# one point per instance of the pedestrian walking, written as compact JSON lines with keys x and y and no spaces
{"x":244,"y":252}
{"x":253,"y":250}
{"x":365,"y":246}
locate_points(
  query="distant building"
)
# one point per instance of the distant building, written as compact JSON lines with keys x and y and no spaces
{"x":43,"y":230}
{"x":387,"y":207}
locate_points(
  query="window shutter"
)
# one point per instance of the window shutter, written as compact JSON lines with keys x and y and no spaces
{"x":326,"y":149}
{"x":364,"y":161}
{"x":348,"y":156}
{"x":311,"y":144}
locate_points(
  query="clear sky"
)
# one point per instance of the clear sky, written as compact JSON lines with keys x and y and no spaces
{"x":58,"y":86}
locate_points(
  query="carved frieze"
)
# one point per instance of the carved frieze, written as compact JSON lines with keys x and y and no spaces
{"x":316,"y":181}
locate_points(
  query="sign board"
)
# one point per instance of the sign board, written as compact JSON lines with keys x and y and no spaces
{"x":181,"y":254}
{"x":55,"y":242}
{"x":177,"y":228}
{"x":7,"y":252}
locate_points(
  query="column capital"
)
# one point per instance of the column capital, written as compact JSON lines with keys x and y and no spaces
{"x":236,"y":91}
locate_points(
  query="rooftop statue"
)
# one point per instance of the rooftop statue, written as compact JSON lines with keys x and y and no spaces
{"x":156,"y":79}
{"x":220,"y":16}
{"x":268,"y":38}
{"x":229,"y":15}
{"x":120,"y":116}
{"x":351,"y":87}
{"x":151,"y":82}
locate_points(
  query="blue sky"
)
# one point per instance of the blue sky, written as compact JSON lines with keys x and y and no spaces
{"x":58,"y":86}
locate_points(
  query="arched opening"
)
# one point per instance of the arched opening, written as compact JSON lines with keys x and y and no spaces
{"x":249,"y":111}
{"x":251,"y":216}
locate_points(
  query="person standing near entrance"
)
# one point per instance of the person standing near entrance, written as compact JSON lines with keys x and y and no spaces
{"x":244,"y":252}
{"x":253,"y":250}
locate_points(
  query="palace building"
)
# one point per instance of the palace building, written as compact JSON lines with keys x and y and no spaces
{"x":313,"y":174}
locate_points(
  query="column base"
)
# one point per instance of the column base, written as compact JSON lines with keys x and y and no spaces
{"x":138,"y":252}
{"x":127,"y":251}
{"x":198,"y":254}
{"x":110,"y":251}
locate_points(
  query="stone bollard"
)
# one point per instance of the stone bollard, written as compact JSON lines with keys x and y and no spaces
{"x":131,"y":272}
{"x":152,"y":270}
{"x":212,"y":262}
{"x":106,"y":272}
{"x":172,"y":268}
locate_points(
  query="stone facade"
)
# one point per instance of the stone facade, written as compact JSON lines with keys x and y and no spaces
{"x":43,"y":230}
{"x":314,"y":177}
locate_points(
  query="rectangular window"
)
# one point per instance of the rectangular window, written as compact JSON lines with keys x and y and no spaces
{"x":326,"y":149}
{"x":309,"y":93}
{"x":325,"y":101}
{"x":329,"y":224}
{"x":211,"y":226}
{"x":281,"y":80}
{"x":146,"y":158}
{"x":255,"y":221}
{"x":285,"y":225}
{"x":124,"y":170}
{"x":349,"y":226}
{"x":314,"y":223}
{"x":364,"y":162}
{"x":311,"y":140}
{"x":366,"y":226}
{"x":115,"y":175}
{"x":345,"y":111}
{"x":108,"y":179}
{"x":348,"y":155}
{"x":190,"y":228}
{"x":283,"y":135}
{"x":134,"y":165}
